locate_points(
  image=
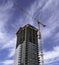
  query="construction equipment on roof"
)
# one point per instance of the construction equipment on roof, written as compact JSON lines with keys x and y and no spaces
{"x":39,"y":32}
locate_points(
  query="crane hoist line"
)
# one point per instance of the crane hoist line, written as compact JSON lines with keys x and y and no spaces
{"x":39,"y":32}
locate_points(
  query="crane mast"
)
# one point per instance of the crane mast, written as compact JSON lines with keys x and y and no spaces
{"x":39,"y":32}
{"x":40,"y":44}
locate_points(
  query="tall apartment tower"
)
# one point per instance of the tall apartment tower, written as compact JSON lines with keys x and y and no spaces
{"x":27,"y":46}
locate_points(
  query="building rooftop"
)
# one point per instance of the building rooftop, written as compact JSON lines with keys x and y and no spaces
{"x":26,"y":26}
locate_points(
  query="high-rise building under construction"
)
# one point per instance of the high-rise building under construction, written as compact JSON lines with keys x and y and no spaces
{"x":27,"y":46}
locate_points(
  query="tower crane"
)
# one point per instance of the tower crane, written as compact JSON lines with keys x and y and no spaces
{"x":39,"y":32}
{"x":40,"y":38}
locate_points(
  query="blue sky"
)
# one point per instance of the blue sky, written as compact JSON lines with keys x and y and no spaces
{"x":11,"y":18}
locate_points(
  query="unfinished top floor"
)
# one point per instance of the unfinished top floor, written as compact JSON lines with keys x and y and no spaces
{"x":27,"y":33}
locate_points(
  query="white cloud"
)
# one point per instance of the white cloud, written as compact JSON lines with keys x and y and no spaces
{"x":12,"y":52}
{"x":6,"y":6}
{"x":8,"y":62}
{"x":10,"y":43}
{"x":4,"y":17}
{"x":37,"y":6}
{"x":52,"y":56}
{"x":25,"y":19}
{"x":51,"y":25}
{"x":47,"y":4}
{"x":1,"y":35}
{"x":56,"y":38}
{"x":4,"y":14}
{"x":5,"y":40}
